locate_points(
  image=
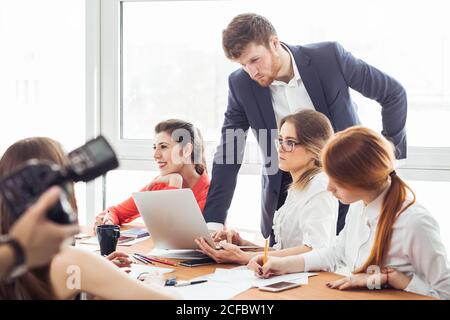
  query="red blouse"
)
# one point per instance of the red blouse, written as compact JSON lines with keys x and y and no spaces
{"x":127,"y":211}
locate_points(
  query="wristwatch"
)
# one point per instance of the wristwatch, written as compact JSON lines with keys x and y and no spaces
{"x":19,"y":267}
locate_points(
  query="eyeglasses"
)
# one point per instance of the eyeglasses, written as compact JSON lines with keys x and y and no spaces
{"x":286,"y":146}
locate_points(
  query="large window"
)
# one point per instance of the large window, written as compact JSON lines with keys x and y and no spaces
{"x":173,"y":64}
{"x":175,"y":73}
{"x":42,"y":77}
{"x":163,"y":59}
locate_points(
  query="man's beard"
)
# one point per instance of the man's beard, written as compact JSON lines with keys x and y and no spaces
{"x":276,"y":66}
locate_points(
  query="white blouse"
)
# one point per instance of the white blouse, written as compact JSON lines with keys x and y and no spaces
{"x":308,"y":216}
{"x":416,"y":248}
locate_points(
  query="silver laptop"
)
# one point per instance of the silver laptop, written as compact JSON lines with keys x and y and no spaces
{"x":173,"y":218}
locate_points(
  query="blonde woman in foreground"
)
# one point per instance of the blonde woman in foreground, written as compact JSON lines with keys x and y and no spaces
{"x":72,"y":270}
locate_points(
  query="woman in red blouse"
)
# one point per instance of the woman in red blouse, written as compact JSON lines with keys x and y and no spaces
{"x":179,"y":154}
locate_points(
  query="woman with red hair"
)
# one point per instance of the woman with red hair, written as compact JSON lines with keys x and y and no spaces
{"x":389,"y":240}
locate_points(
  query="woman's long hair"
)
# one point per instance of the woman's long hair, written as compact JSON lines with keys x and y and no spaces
{"x":34,"y":284}
{"x":360,"y":158}
{"x":177,"y":129}
{"x":313,"y":130}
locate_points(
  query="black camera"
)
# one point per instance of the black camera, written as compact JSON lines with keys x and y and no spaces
{"x":23,"y":187}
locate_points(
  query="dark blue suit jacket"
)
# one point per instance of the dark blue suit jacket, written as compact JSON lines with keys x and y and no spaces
{"x":327,"y":71}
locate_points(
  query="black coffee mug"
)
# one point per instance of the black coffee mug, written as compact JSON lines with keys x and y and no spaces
{"x":107,"y":236}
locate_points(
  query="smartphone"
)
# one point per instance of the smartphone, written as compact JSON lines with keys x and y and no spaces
{"x":280,"y":286}
{"x":197,"y":262}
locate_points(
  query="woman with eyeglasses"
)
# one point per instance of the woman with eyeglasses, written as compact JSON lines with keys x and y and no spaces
{"x":308,"y":217}
{"x":389,"y":239}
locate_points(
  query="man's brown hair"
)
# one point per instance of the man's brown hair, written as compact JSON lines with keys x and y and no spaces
{"x":243,"y":29}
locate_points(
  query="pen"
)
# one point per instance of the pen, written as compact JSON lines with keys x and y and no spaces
{"x":266,"y":246}
{"x":141,"y":259}
{"x":154,"y":259}
{"x":188,"y":283}
{"x":133,"y":259}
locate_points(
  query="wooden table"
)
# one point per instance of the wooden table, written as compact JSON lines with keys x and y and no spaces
{"x":315,"y":290}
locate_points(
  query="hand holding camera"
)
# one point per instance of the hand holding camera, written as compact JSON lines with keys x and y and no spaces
{"x":41,"y":239}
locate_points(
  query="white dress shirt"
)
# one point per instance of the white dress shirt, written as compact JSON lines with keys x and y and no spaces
{"x":416,"y":248}
{"x":289,"y":98}
{"x":308,"y":216}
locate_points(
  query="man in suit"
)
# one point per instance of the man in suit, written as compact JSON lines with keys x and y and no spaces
{"x":277,"y":79}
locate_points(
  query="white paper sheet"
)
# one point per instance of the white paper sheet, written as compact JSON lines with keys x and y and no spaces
{"x":210,"y":290}
{"x":226,"y":283}
{"x":91,"y":240}
{"x":88,"y":248}
{"x":242,"y":275}
{"x":137,"y":269}
{"x":300,"y":278}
